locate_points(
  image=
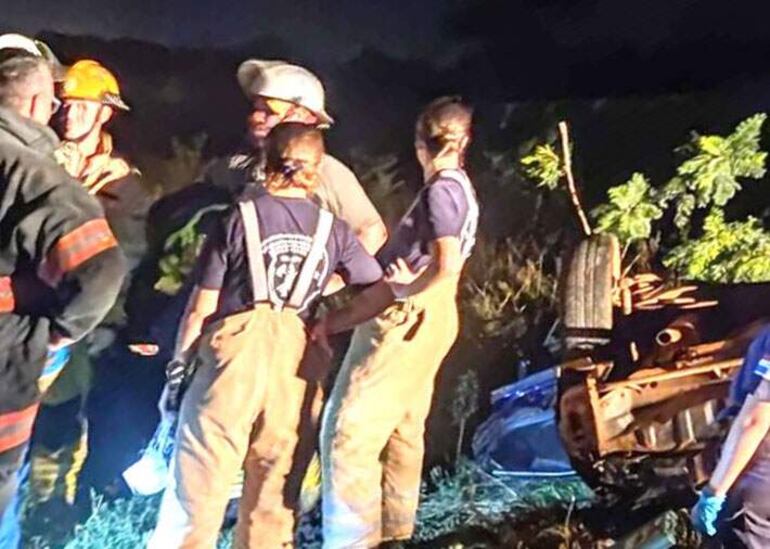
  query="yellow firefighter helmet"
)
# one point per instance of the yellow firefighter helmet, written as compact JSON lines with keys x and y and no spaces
{"x":88,"y":80}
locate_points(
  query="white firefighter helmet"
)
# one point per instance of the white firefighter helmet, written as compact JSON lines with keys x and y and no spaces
{"x":39,"y":48}
{"x":282,"y":80}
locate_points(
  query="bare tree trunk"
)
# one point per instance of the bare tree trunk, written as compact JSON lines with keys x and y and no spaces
{"x":571,"y":187}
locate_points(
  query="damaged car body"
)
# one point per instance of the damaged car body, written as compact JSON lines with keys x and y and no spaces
{"x":642,"y":396}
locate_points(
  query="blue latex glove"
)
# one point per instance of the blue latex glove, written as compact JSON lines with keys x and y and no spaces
{"x":704,"y":514}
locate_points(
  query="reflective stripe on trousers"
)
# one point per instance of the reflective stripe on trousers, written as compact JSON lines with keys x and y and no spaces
{"x":54,"y":364}
{"x":60,"y":440}
{"x":372,"y":432}
{"x":247,"y":407}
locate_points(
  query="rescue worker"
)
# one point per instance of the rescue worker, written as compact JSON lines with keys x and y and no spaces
{"x":178,"y":223}
{"x":372,"y":431}
{"x":734,"y":506}
{"x":282,"y":92}
{"x":14,"y":41}
{"x":278,"y":92}
{"x":11,"y":44}
{"x":61,"y":266}
{"x":90,"y":97}
{"x":248,"y":405}
{"x":10,"y":528}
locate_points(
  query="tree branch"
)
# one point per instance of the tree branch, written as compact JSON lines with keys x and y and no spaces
{"x":571,"y":187}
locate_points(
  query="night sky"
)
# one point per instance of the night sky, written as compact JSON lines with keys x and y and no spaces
{"x":330,"y":29}
{"x":533,"y":48}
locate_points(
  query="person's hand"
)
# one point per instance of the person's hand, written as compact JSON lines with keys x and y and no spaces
{"x":144,"y":349}
{"x":399,"y":272}
{"x":319,"y":335}
{"x":705,"y":513}
{"x":399,"y":276}
{"x":176,"y":370}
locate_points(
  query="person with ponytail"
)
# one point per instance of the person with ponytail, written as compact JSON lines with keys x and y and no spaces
{"x":248,"y":405}
{"x":372,"y":431}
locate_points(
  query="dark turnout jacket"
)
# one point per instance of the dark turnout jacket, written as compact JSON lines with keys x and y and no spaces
{"x":60,"y":266}
{"x":118,"y":187}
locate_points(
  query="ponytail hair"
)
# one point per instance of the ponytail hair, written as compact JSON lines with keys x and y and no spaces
{"x":294,"y":151}
{"x":445,"y":126}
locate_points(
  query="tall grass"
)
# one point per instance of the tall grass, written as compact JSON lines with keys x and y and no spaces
{"x":464,"y":497}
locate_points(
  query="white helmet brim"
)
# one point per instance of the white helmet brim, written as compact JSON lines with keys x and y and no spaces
{"x":282,"y":80}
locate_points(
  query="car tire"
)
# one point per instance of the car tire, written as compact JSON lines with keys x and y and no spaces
{"x":592,"y":271}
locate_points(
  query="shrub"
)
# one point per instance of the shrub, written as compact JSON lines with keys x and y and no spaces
{"x":703,"y":246}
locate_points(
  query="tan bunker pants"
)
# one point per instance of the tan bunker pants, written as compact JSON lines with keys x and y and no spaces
{"x":372,"y":432}
{"x":246,"y":406}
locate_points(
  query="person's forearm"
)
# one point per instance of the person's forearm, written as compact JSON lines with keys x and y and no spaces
{"x":189,"y":332}
{"x":200,"y":306}
{"x":746,"y":434}
{"x":364,"y":306}
{"x":373,"y":236}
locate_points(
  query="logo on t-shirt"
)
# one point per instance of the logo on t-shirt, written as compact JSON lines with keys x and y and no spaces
{"x":762,"y":368}
{"x":471,"y":223}
{"x":468,"y":232}
{"x":286,"y":254}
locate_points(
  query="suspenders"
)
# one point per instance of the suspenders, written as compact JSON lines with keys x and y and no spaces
{"x":256,"y":260}
{"x":472,"y":216}
{"x":254,"y":250}
{"x":314,"y":257}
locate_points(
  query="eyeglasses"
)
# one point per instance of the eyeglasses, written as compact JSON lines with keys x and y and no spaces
{"x":278,"y":107}
{"x":55,"y":105}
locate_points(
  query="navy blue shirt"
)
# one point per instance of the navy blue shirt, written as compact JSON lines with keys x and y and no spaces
{"x":754,"y":378}
{"x":747,"y":380}
{"x":445,"y":206}
{"x":286,"y":229}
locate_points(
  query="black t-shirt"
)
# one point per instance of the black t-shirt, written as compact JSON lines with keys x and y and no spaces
{"x":286,"y":228}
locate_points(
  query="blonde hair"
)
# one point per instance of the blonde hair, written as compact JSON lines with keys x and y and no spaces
{"x":445,"y":125}
{"x":294,"y":151}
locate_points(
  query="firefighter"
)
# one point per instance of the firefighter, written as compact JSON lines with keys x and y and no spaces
{"x":38,"y":48}
{"x":90,"y":98}
{"x":278,"y":92}
{"x":60,"y":267}
{"x":373,"y":425}
{"x":259,"y":280}
{"x":281,"y":92}
{"x":734,"y":506}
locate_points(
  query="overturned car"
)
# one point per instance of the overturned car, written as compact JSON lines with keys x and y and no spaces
{"x":641,"y":399}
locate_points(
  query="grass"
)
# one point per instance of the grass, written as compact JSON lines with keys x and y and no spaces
{"x":451,"y":502}
{"x":472,"y":498}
